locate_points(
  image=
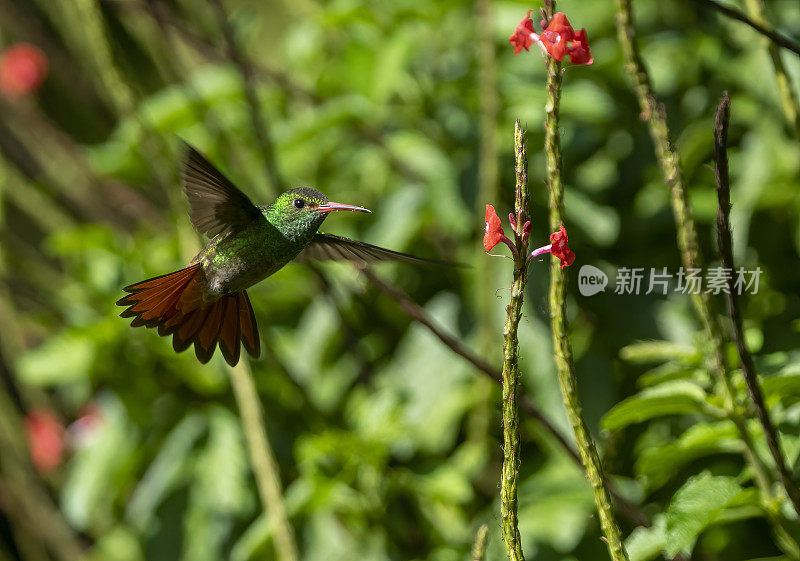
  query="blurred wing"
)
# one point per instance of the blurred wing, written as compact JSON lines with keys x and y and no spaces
{"x":337,"y":248}
{"x":215,"y":204}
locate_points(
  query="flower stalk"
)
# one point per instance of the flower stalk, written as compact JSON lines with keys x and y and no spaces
{"x":725,"y":243}
{"x":558,"y":316}
{"x":510,"y":377}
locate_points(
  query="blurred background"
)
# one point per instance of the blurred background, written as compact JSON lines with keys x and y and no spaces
{"x":388,"y":445}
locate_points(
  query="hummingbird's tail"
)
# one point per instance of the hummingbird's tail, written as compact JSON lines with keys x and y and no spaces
{"x":173,"y":303}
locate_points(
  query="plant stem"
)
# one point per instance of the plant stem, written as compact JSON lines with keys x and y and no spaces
{"x":731,"y":297}
{"x":479,"y":547}
{"x":667,"y":156}
{"x":558,"y":315}
{"x":756,"y":23}
{"x":260,"y":130}
{"x":265,"y":468}
{"x":786,"y":91}
{"x":510,"y":472}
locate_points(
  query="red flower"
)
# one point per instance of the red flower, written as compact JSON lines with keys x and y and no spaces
{"x":559,"y":247}
{"x":556,"y":36}
{"x":560,"y":25}
{"x":493,"y":231}
{"x":555,"y":39}
{"x":579,"y":51}
{"x":523,"y":36}
{"x":45,"y":436}
{"x":23,"y":68}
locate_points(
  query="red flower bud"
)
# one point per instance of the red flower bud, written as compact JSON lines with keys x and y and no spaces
{"x":23,"y":68}
{"x":559,"y":247}
{"x":493,"y":231}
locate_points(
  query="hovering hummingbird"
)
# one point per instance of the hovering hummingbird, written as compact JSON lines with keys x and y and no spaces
{"x":207,"y":302}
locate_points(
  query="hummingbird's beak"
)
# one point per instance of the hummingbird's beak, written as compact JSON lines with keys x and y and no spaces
{"x":331,"y":206}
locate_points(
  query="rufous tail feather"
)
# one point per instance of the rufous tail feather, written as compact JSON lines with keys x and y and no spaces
{"x":173,"y":303}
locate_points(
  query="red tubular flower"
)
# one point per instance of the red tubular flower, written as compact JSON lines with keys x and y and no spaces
{"x":523,"y":36}
{"x":493,"y":231}
{"x":579,"y":51}
{"x":559,"y":247}
{"x":558,"y":39}
{"x":560,"y":24}
{"x":45,"y":437}
{"x":556,"y":36}
{"x":23,"y":68}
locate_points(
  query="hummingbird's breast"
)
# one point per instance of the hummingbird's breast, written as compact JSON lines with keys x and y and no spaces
{"x":236,"y":261}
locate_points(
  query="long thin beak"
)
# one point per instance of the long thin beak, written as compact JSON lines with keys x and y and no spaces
{"x":331,"y":206}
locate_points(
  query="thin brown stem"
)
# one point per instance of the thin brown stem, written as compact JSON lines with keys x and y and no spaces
{"x":732,"y":299}
{"x":787,"y":93}
{"x":260,"y":130}
{"x":738,"y":15}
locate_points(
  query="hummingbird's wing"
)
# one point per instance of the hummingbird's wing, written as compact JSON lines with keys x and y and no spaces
{"x":215,"y":204}
{"x":337,"y":248}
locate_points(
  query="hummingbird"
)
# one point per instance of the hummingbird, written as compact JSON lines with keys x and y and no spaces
{"x":206,"y":303}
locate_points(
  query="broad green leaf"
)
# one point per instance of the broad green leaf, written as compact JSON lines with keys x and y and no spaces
{"x":658,"y":464}
{"x":658,"y":351}
{"x":222,"y":470}
{"x":784,"y":384}
{"x":164,"y":471}
{"x":694,"y":507}
{"x":647,"y":543}
{"x":252,"y":540}
{"x":62,"y":359}
{"x":670,"y":398}
{"x":670,"y":371}
{"x":555,"y":505}
{"x":89,"y":492}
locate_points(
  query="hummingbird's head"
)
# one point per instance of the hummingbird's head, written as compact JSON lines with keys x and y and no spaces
{"x":302,"y":210}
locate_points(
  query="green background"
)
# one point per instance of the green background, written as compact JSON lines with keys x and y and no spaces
{"x":389,"y":445}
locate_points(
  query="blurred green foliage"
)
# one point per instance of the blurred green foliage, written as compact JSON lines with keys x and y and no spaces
{"x":387,"y":442}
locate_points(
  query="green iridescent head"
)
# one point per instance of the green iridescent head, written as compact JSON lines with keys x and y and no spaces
{"x":301,"y":211}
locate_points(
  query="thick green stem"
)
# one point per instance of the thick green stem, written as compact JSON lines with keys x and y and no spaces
{"x":655,"y":115}
{"x":558,"y":316}
{"x":508,"y":481}
{"x":264,"y":465}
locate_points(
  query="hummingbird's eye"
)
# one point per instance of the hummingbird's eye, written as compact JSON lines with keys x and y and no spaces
{"x":299,"y":203}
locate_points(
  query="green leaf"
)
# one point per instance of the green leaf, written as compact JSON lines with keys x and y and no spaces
{"x":671,"y":371}
{"x":657,"y":465}
{"x":647,"y":543}
{"x":252,"y":540}
{"x":64,"y":358}
{"x":165,"y":470}
{"x":670,"y":398}
{"x":658,"y":351}
{"x":89,"y":491}
{"x":784,"y":384}
{"x":696,"y":505}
